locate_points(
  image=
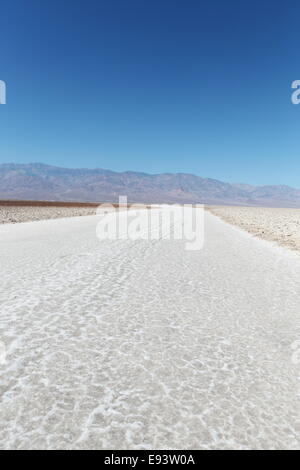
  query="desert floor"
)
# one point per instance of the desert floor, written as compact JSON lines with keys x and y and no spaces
{"x":138,"y":344}
{"x":276,"y":225}
{"x":23,"y":211}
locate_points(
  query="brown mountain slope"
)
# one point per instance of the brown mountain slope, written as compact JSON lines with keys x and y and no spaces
{"x":43,"y":182}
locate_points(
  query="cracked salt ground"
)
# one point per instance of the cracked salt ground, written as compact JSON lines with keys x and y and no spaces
{"x":141,"y":344}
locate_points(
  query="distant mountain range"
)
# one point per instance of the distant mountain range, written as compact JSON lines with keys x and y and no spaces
{"x":37,"y":181}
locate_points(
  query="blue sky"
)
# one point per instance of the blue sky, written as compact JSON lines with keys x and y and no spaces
{"x":157,"y":86}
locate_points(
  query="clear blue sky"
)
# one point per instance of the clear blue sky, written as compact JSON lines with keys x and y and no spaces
{"x":159,"y":86}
